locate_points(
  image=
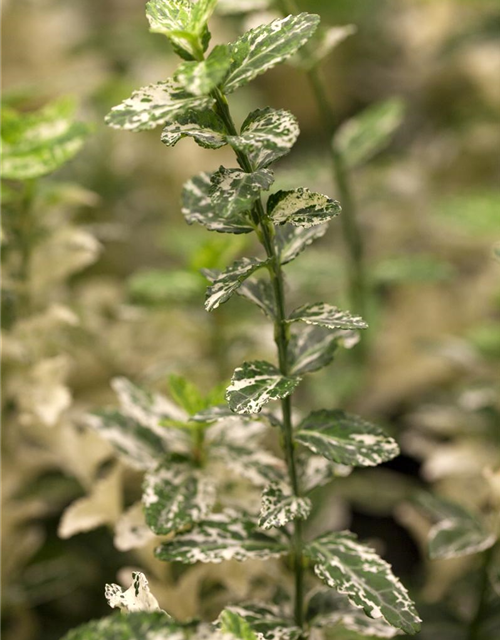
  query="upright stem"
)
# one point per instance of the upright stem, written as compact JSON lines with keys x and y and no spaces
{"x":265,"y":232}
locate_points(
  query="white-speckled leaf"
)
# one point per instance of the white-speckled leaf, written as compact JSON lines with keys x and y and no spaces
{"x":154,"y":105}
{"x":176,"y":496}
{"x":355,"y":570}
{"x":256,"y":383}
{"x":227,"y":282}
{"x":327,"y":608}
{"x":251,"y":462}
{"x":197,"y":207}
{"x":326,"y":315}
{"x":266,"y":46}
{"x":260,"y":292}
{"x":279,"y":506}
{"x":267,"y":621}
{"x":230,"y":535}
{"x":346,"y":439}
{"x":364,"y":135}
{"x":290,"y":241}
{"x":322,"y":44}
{"x":234,"y":191}
{"x":301,"y":207}
{"x":201,"y":78}
{"x":205,"y":127}
{"x":311,"y":349}
{"x":137,"y":597}
{"x":266,"y":135}
{"x":317,"y":471}
{"x":119,"y":626}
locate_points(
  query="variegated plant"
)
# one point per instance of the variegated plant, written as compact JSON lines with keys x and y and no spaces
{"x":361,"y":593}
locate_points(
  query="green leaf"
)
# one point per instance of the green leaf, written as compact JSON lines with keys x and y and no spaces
{"x":346,"y":439}
{"x":162,"y":286}
{"x":255,"y":383}
{"x":311,"y":349}
{"x":280,"y":506}
{"x":266,"y":135}
{"x":37,"y":143}
{"x":154,"y":105}
{"x":197,"y":207}
{"x":290,"y":241}
{"x":266,"y":620}
{"x":176,"y":496}
{"x":205,"y":127}
{"x":235,"y":7}
{"x":457,"y":532}
{"x":355,"y":570}
{"x":230,"y":535}
{"x":201,"y":78}
{"x":260,"y":292}
{"x":363,"y":136}
{"x":329,"y":609}
{"x":127,"y":626}
{"x":137,"y":597}
{"x":266,"y":46}
{"x":236,"y":626}
{"x":226,"y":283}
{"x":256,"y":465}
{"x":325,"y":315}
{"x":301,"y":207}
{"x":322,"y":44}
{"x":186,"y":394}
{"x":234,"y":191}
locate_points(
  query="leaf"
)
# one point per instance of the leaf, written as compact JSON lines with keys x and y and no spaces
{"x":267,"y":621}
{"x":266,"y":46}
{"x":260,"y":292}
{"x":131,"y":531}
{"x":224,"y":536}
{"x":322,"y":44}
{"x":280,"y":506}
{"x":458,"y":532}
{"x":153,"y":287}
{"x":291,"y":241}
{"x":214,"y":414}
{"x":250,"y":462}
{"x":236,"y":626}
{"x":355,"y":570}
{"x":176,"y":496}
{"x":311,"y":349}
{"x":37,"y":143}
{"x":234,"y":191}
{"x":201,"y":78}
{"x":325,"y":315}
{"x":317,"y":471}
{"x":234,"y":7}
{"x":328,"y":609}
{"x":301,"y":207}
{"x":197,"y":207}
{"x":136,"y":625}
{"x":363,"y":136}
{"x":137,"y":597}
{"x":255,"y":383}
{"x":226,"y":283}
{"x":186,"y":394}
{"x":205,"y":127}
{"x":346,"y":439}
{"x":266,"y":135}
{"x":154,"y":105}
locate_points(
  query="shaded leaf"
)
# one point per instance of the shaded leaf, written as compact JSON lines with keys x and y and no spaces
{"x":137,"y":597}
{"x":291,"y":241}
{"x":317,"y":471}
{"x":266,"y":46}
{"x":121,"y":626}
{"x":255,"y":383}
{"x":234,"y":191}
{"x":311,"y":349}
{"x":205,"y":127}
{"x":325,"y":315}
{"x":260,"y":292}
{"x":280,"y":506}
{"x":346,"y":439}
{"x":224,"y":536}
{"x":322,"y":44}
{"x":250,"y":462}
{"x":355,"y":570}
{"x":201,"y":78}
{"x":301,"y":207}
{"x":266,"y":620}
{"x":197,"y":207}
{"x":226,"y":283}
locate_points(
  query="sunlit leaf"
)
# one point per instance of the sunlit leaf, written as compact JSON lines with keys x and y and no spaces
{"x":186,"y":394}
{"x":226,"y":283}
{"x":201,"y":78}
{"x":233,"y":625}
{"x":280,"y":506}
{"x":301,"y":207}
{"x":325,"y":315}
{"x":137,"y":597}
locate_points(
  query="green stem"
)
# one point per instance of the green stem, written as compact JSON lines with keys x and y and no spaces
{"x":475,"y":624}
{"x":265,"y":232}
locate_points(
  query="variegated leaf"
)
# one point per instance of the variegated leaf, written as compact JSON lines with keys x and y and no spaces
{"x":201,"y":78}
{"x":235,"y":7}
{"x":131,"y":530}
{"x":322,"y":44}
{"x":260,"y":292}
{"x":214,"y":414}
{"x":317,"y":471}
{"x":250,"y":462}
{"x":280,"y":506}
{"x":364,"y":135}
{"x":355,"y":570}
{"x":256,"y":383}
{"x":329,"y":609}
{"x":137,"y":597}
{"x":266,"y":46}
{"x":234,"y":626}
{"x":267,"y":621}
{"x":154,"y":105}
{"x":291,"y":241}
{"x":234,"y":192}
{"x":205,"y":127}
{"x":311,"y":349}
{"x":230,"y":535}
{"x":197,"y":207}
{"x":175,"y":496}
{"x":301,"y":207}
{"x":266,"y":135}
{"x":346,"y":439}
{"x":156,"y":624}
{"x":226,"y":283}
{"x":325,"y":315}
